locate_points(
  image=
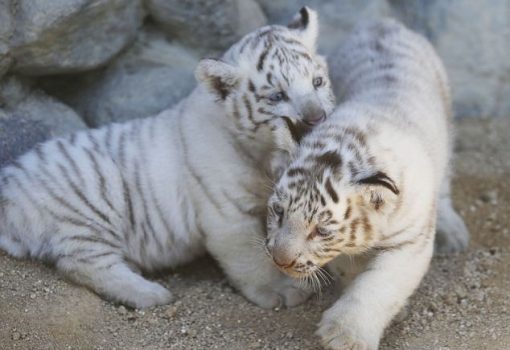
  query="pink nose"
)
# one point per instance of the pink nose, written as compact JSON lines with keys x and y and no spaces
{"x":285,"y":262}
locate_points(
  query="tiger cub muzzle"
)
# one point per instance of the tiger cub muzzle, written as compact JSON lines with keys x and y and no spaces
{"x":313,"y":114}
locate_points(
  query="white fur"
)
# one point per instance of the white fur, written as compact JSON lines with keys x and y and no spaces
{"x":199,"y":167}
{"x":395,"y":92}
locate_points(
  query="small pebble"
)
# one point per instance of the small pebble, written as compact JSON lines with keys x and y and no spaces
{"x":170,"y":312}
{"x":460,"y":291}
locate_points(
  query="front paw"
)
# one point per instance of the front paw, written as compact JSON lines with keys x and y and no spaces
{"x":284,"y":292}
{"x":344,"y":334}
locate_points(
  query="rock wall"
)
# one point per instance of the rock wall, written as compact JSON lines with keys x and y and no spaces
{"x":71,"y":64}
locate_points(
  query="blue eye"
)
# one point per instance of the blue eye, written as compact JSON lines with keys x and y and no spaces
{"x":277,"y":97}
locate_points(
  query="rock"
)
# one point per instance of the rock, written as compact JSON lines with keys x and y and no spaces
{"x":61,"y":36}
{"x":473,"y":39}
{"x":461,"y":291}
{"x":29,"y":116}
{"x":16,"y":336}
{"x":208,"y":24}
{"x":122,"y":310}
{"x":150,"y":77}
{"x":170,"y":312}
{"x":490,"y":197}
{"x":6,"y":29}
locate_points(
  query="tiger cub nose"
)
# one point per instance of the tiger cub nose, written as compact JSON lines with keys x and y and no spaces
{"x":284,"y":261}
{"x":315,"y":118}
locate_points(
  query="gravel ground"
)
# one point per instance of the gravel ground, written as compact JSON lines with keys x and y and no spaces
{"x":463,"y":303}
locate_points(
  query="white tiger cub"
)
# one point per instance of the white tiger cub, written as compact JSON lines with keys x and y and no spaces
{"x":366,"y":183}
{"x":106,"y":204}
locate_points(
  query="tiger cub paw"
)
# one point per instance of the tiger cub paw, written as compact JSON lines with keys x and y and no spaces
{"x":340,"y":334}
{"x":282,"y":293}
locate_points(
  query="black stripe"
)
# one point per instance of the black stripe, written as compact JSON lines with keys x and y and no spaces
{"x":249,"y":109}
{"x":102,"y":181}
{"x":82,"y":196}
{"x":296,"y":171}
{"x":122,"y":149}
{"x":262,"y":58}
{"x":331,"y":191}
{"x":329,"y":159}
{"x":40,"y":153}
{"x":129,"y":203}
{"x":71,"y":161}
{"x":89,"y":239}
{"x":147,"y":215}
{"x":108,"y":138}
{"x":72,"y":138}
{"x":94,"y":141}
{"x":297,"y":130}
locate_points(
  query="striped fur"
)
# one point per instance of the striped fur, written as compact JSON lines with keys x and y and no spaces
{"x":367,"y":182}
{"x":105,"y":204}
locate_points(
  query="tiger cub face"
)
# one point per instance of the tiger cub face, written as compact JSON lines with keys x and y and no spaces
{"x":271,"y":73}
{"x":331,"y":199}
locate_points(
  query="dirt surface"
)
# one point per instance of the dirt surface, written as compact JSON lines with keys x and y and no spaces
{"x":463,"y":303}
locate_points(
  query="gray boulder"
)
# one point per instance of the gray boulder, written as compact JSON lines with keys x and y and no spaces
{"x":62,"y":36}
{"x":208,"y":24}
{"x":28,"y":116}
{"x":6,"y":29}
{"x":148,"y":78}
{"x":473,"y":39}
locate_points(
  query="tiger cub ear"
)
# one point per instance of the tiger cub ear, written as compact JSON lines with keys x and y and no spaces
{"x":382,"y":189}
{"x":219,"y":77}
{"x":306,"y":24}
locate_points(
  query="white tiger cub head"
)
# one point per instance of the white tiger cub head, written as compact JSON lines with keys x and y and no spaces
{"x":272,"y":72}
{"x":332,"y":199}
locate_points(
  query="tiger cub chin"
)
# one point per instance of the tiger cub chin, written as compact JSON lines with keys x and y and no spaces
{"x":367,"y":182}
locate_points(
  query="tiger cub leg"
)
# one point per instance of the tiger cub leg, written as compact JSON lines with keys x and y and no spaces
{"x":250,"y":269}
{"x":357,"y":320}
{"x":104,"y":270}
{"x":452,"y":234}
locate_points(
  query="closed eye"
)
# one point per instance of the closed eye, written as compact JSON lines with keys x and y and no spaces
{"x":318,"y":231}
{"x":321,"y":231}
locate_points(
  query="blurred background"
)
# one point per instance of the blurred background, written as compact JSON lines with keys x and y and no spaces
{"x":67,"y":65}
{"x":70,"y":64}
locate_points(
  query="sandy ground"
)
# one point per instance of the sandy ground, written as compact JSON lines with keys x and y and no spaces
{"x":463,"y":303}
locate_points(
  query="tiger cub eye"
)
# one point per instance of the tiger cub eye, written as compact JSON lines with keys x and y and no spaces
{"x":278,"y":209}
